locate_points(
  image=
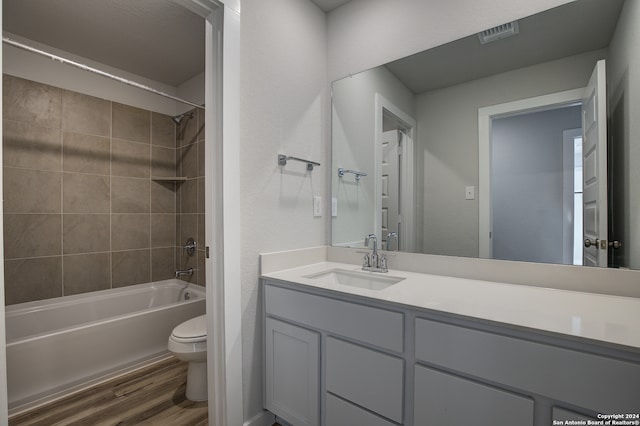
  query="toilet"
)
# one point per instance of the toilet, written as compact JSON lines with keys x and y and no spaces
{"x":188,"y":342}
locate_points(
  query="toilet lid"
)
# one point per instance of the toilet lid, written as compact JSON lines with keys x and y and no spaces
{"x":195,"y":328}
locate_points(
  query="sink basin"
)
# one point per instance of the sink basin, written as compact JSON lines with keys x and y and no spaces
{"x":368,"y":280}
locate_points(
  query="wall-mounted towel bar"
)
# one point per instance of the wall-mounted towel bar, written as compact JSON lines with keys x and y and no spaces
{"x":342,"y":171}
{"x":282,"y":161}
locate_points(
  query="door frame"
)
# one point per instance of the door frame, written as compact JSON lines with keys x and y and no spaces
{"x":407,"y":176}
{"x":485,"y":117}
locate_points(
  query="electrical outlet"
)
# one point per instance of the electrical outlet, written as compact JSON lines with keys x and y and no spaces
{"x":470,"y":193}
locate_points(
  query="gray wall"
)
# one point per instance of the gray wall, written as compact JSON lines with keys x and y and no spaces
{"x":284,"y":109}
{"x":448,"y":145}
{"x":527,"y":184}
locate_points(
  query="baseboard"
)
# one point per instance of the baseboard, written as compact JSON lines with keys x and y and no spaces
{"x":262,"y":419}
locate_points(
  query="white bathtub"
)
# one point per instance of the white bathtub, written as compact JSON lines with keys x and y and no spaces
{"x":58,"y":345}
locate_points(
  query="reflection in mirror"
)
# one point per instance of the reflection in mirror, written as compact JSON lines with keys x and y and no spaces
{"x":470,"y":149}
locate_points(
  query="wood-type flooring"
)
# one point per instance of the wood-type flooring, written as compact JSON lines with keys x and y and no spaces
{"x":153,"y":395}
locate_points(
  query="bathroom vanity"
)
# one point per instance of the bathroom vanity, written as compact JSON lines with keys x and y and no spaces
{"x":346,"y":347}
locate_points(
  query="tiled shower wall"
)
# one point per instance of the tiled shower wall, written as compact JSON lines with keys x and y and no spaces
{"x":190,"y":194}
{"x":81,"y":210}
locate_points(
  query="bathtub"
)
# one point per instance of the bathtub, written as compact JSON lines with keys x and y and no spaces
{"x":60,"y":345}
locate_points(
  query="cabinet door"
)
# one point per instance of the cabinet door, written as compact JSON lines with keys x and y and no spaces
{"x":446,"y":400}
{"x":291,"y":373}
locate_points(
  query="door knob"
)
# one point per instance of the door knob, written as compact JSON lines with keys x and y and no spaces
{"x":588,"y":243}
{"x":615,"y":244}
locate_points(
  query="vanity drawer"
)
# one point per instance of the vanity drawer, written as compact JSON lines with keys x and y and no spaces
{"x":341,"y":413}
{"x":377,"y":327}
{"x":444,"y":399}
{"x":586,"y":380}
{"x":368,"y":378}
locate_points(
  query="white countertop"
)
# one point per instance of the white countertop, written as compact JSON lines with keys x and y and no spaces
{"x":605,"y":318}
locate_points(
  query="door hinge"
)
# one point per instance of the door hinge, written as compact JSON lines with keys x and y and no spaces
{"x":206,"y":252}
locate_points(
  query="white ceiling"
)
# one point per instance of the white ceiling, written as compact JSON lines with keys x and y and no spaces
{"x":156,"y":39}
{"x":570,"y":29}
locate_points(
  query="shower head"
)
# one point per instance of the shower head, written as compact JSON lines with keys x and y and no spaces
{"x":178,"y":118}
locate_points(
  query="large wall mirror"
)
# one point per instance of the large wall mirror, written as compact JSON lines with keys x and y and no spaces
{"x":519,"y":143}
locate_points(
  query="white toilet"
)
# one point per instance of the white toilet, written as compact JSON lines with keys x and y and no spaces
{"x":188,"y":342}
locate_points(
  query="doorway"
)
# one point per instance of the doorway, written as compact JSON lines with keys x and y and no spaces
{"x":529,"y":178}
{"x":525,"y":178}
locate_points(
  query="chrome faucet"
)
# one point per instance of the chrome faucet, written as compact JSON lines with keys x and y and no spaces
{"x":373,"y":261}
{"x":181,"y":272}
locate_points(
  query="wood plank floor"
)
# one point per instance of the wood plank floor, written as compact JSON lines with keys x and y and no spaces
{"x":153,"y":395}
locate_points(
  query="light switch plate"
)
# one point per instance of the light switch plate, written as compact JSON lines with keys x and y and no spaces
{"x":470,"y":193}
{"x":317,"y":206}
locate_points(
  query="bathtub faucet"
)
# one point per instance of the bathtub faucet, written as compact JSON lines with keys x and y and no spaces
{"x":181,"y":272}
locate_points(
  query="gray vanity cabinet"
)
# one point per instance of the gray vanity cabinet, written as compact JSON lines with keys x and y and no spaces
{"x":335,"y":359}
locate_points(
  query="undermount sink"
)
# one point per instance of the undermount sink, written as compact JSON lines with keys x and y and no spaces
{"x":367,"y":280}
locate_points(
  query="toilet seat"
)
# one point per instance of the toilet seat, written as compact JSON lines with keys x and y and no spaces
{"x":191,"y":331}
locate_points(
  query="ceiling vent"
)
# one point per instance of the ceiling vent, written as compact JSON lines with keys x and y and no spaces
{"x":496,"y":33}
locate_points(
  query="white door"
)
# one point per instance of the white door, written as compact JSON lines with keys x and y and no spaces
{"x":594,"y":157}
{"x":390,"y":171}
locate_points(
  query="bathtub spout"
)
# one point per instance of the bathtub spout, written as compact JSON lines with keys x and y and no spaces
{"x":181,"y":272}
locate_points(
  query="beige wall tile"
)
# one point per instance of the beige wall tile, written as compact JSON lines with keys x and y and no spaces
{"x":130,"y":159}
{"x":32,"y":191}
{"x":200,"y":195}
{"x":201,"y":231}
{"x":201,"y":124}
{"x":202,"y":277}
{"x":32,"y":279}
{"x":130,"y":267}
{"x":163,"y":230}
{"x":162,"y":263}
{"x":85,"y":193}
{"x":163,"y":130}
{"x":32,"y":235}
{"x":201,"y":158}
{"x":86,"y":272}
{"x":85,"y":114}
{"x":31,"y":102}
{"x":31,"y":147}
{"x":130,"y":195}
{"x":130,"y":231}
{"x":86,"y":153}
{"x":130,"y":123}
{"x":163,"y":162}
{"x":85,"y":233}
{"x":163,"y":197}
{"x":188,"y":196}
{"x":188,"y":161}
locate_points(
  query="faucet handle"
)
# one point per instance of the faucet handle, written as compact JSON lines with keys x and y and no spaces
{"x":367,"y":238}
{"x":392,"y":236}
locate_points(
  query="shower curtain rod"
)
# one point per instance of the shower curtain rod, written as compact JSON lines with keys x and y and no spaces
{"x":97,"y":71}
